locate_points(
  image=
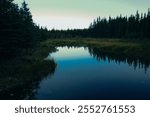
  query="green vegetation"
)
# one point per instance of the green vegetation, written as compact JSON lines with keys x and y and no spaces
{"x":18,"y":32}
{"x":23,"y":73}
{"x":22,"y":64}
{"x":133,"y":51}
{"x":23,"y":45}
{"x":20,"y":76}
{"x":129,"y":48}
{"x":135,"y":26}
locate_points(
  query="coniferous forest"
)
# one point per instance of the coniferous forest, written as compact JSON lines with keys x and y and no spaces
{"x":134,"y":26}
{"x":99,"y":64}
{"x":18,"y":31}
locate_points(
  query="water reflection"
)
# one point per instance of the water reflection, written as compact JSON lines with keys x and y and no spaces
{"x":20,"y":79}
{"x":140,"y":63}
{"x":65,"y":53}
{"x":93,"y":74}
{"x":82,"y":73}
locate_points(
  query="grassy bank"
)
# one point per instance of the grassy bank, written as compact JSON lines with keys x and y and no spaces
{"x":130,"y":48}
{"x":21,"y":75}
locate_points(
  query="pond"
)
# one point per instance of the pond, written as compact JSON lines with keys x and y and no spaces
{"x":86,"y":73}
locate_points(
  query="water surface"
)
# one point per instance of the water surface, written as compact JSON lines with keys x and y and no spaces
{"x":83,"y":74}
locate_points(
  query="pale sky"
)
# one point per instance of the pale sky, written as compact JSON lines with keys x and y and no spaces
{"x":78,"y":14}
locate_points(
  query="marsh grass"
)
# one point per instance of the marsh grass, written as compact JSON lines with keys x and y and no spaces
{"x":135,"y":52}
{"x":130,"y":48}
{"x":20,"y":76}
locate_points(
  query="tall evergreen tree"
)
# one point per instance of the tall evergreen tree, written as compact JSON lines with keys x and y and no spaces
{"x":17,"y":29}
{"x":135,"y":26}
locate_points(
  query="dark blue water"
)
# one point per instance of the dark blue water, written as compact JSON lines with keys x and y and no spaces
{"x":81,"y":75}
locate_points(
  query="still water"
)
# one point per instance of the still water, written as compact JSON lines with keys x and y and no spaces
{"x":84,"y":73}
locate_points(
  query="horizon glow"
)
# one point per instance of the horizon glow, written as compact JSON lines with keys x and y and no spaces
{"x":78,"y":14}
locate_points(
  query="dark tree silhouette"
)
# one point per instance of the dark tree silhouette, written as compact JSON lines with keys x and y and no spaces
{"x":17,"y":29}
{"x":135,"y":26}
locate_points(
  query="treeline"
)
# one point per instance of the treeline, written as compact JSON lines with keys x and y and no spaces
{"x":70,"y":33}
{"x":135,"y":26}
{"x":17,"y":29}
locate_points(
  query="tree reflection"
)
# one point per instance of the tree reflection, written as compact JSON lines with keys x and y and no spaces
{"x":136,"y":62}
{"x":21,"y":80}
